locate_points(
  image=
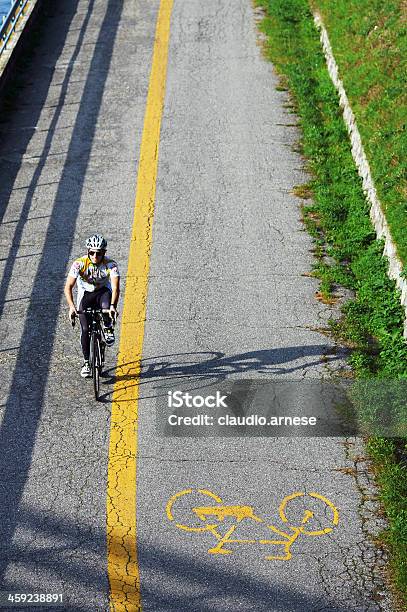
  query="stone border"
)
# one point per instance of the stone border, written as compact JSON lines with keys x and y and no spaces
{"x":376,"y":211}
{"x":10,"y":56}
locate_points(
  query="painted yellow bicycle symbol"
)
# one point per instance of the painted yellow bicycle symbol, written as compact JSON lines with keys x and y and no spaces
{"x":208,"y":519}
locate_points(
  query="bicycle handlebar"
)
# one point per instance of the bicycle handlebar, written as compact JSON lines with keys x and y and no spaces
{"x":88,"y":310}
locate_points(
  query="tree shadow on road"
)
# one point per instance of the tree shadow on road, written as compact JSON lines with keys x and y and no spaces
{"x":22,"y":413}
{"x":71,"y":558}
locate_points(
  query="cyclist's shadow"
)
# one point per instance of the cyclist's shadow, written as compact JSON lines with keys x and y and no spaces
{"x":214,"y":366}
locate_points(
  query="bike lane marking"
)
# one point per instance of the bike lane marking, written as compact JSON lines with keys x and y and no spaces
{"x":123,"y":570}
{"x":240,"y":513}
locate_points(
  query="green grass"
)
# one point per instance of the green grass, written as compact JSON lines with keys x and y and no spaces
{"x":391,"y":477}
{"x":339,"y":222}
{"x":369,"y":41}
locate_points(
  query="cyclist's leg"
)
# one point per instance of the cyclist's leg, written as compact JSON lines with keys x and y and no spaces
{"x":104,"y":300}
{"x":86,"y":302}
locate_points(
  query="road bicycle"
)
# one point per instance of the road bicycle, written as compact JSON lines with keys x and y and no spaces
{"x":97,"y":344}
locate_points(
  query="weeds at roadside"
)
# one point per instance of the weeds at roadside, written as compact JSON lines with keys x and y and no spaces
{"x":345,"y":244}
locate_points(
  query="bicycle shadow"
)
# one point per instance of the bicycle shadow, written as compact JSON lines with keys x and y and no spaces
{"x":210,"y":367}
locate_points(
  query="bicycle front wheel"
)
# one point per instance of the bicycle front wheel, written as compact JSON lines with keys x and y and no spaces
{"x":96,"y":365}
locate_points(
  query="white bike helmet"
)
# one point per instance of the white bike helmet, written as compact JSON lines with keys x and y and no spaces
{"x":96,"y":241}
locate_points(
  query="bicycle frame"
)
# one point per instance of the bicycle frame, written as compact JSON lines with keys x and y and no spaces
{"x":97,"y":343}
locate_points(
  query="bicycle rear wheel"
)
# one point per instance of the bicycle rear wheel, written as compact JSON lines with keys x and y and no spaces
{"x":95,"y":362}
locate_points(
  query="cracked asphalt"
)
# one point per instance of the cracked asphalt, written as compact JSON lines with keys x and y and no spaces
{"x":228,"y":298}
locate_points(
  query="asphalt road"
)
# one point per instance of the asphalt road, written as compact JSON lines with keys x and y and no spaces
{"x":228,"y":299}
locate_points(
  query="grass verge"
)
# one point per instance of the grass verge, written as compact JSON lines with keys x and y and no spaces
{"x":345,"y":244}
{"x":369,"y":40}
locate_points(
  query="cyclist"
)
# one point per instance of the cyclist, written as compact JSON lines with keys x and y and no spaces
{"x":98,"y":283}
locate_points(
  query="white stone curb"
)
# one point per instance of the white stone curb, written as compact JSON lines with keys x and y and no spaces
{"x":376,"y":211}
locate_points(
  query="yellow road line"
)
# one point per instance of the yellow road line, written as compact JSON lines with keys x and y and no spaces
{"x":123,"y":568}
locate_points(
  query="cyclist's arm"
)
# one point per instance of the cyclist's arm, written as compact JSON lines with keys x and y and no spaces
{"x":115,"y":282}
{"x":69,"y":285}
